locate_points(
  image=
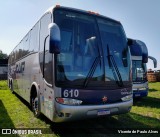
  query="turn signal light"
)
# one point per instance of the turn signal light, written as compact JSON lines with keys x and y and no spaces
{"x":91,"y":12}
{"x":57,"y":6}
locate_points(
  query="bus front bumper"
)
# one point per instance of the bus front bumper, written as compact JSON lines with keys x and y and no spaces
{"x":140,"y":93}
{"x":69,"y":113}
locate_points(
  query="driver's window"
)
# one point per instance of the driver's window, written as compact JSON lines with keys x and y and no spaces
{"x":45,"y":57}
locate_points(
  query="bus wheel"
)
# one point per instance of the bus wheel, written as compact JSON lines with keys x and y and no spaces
{"x":35,"y":106}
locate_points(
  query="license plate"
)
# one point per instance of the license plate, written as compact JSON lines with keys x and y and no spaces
{"x":103,"y":112}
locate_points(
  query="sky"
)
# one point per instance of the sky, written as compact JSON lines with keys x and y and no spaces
{"x":140,"y":19}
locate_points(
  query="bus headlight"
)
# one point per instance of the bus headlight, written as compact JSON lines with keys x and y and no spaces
{"x":127,"y":98}
{"x":69,"y":101}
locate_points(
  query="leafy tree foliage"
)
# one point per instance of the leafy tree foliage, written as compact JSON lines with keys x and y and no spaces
{"x":3,"y":55}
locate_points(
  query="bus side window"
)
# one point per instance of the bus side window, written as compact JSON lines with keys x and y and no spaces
{"x":45,"y":56}
{"x":34,"y":44}
{"x":26,"y":45}
{"x":48,"y":64}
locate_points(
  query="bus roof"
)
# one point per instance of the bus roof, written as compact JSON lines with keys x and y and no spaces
{"x":51,"y":9}
{"x":139,"y":48}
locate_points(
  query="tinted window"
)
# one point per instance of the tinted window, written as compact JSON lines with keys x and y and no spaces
{"x":34,"y":39}
{"x":44,"y":32}
{"x":115,"y":50}
{"x":93,"y":51}
{"x":48,"y":64}
{"x":79,"y":50}
{"x":138,"y":71}
{"x":26,"y":45}
{"x":20,"y":52}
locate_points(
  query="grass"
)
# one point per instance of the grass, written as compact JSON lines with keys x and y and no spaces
{"x":3,"y":85}
{"x":15,"y":113}
{"x":150,"y":106}
{"x":145,"y":114}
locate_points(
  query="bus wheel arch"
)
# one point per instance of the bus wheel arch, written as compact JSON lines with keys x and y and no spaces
{"x":35,"y":100}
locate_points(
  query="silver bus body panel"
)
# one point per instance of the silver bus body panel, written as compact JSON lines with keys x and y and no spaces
{"x":47,"y":100}
{"x":23,"y":81}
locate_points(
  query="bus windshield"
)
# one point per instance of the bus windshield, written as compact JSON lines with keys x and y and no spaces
{"x":139,"y":71}
{"x":93,"y":52}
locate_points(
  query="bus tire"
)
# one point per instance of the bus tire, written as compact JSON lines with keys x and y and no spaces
{"x":35,"y":104}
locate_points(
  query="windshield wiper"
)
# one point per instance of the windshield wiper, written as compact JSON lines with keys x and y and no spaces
{"x":92,"y":70}
{"x":114,"y":68}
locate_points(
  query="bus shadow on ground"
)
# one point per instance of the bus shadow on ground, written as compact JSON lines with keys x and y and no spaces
{"x":152,"y":90}
{"x":22,"y":100}
{"x":148,"y":102}
{"x":101,"y":126}
{"x":5,"y":121}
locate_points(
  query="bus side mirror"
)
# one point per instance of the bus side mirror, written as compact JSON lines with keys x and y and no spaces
{"x":154,"y":61}
{"x":55,"y":38}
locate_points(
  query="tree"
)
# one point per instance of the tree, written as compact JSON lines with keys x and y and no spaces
{"x":3,"y":55}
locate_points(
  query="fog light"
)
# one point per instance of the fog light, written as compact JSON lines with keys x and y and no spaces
{"x":60,"y":114}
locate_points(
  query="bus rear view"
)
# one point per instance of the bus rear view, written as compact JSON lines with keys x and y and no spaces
{"x":84,"y":67}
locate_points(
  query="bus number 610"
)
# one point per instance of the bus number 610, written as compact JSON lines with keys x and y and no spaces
{"x":71,"y":93}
